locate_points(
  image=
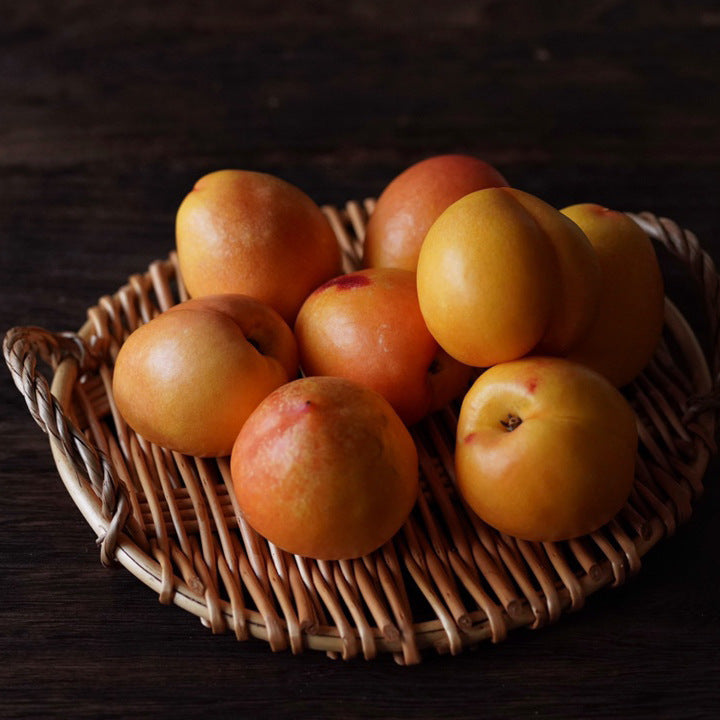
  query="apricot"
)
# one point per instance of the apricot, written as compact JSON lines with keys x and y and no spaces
{"x":577,"y":277}
{"x":367,"y":326}
{"x":252,"y":233}
{"x":414,"y":199}
{"x":189,"y":378}
{"x":502,"y":273}
{"x":325,"y":468}
{"x":629,"y":321}
{"x":545,"y":449}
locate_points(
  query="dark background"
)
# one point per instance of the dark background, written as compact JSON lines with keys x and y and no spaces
{"x":109,"y":111}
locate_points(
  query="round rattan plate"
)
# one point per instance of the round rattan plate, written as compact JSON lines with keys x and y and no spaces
{"x":446,"y":580}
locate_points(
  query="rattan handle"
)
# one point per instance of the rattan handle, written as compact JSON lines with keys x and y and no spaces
{"x":22,"y":347}
{"x":685,"y":246}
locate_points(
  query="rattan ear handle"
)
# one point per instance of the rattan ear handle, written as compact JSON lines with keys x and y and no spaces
{"x":22,"y":347}
{"x":432,"y":560}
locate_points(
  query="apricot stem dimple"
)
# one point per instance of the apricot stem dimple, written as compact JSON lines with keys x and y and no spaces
{"x":255,"y":344}
{"x":511,"y":422}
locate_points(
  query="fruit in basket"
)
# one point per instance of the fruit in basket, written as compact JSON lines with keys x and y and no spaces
{"x":189,"y":378}
{"x":252,"y":233}
{"x":366,"y":326}
{"x":502,"y":273}
{"x":545,"y":449}
{"x":630,"y":315}
{"x":414,"y":199}
{"x":325,"y":468}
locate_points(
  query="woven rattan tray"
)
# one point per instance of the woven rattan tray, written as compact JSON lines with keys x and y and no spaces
{"x":446,"y":580}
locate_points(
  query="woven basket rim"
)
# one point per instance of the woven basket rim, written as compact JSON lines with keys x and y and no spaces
{"x":194,"y":593}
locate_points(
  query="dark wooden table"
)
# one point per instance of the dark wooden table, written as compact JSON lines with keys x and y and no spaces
{"x":108,"y":113}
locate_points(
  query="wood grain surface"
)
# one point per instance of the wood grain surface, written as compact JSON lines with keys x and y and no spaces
{"x":110,"y":111}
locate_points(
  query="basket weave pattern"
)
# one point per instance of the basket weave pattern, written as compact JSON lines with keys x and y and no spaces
{"x":446,"y":580}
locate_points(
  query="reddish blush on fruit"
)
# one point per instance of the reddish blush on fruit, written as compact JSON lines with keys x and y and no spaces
{"x":324,"y":468}
{"x":367,"y":326}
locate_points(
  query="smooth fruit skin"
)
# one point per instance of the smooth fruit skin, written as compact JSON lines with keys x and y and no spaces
{"x":324,"y":468}
{"x":628,"y":325}
{"x":252,"y":233}
{"x":484,"y":280}
{"x":500,"y":272}
{"x":189,"y":378}
{"x":577,"y":280}
{"x":367,"y":326}
{"x":545,"y":449}
{"x":414,"y":199}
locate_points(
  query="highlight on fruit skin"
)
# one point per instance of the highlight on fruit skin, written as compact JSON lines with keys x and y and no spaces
{"x":546,"y":449}
{"x":324,"y":468}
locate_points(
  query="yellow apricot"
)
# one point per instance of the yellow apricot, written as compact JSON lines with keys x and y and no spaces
{"x":629,"y":321}
{"x":502,"y":273}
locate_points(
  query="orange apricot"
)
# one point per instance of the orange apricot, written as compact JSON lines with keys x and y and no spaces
{"x":252,"y":233}
{"x":367,"y":326}
{"x":545,"y":449}
{"x":325,"y":468}
{"x":189,"y":378}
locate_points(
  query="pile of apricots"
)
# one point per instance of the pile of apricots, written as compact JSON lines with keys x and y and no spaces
{"x":309,"y":378}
